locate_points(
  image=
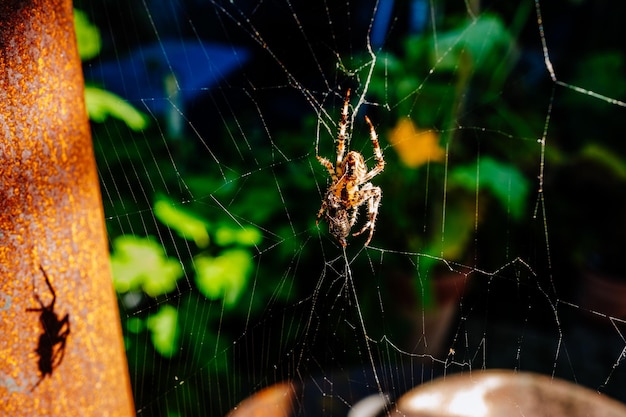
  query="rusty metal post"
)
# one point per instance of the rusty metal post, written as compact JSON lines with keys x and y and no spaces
{"x":61,"y":347}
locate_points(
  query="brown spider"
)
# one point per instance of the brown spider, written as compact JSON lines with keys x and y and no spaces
{"x":51,"y":346}
{"x":350,"y":188}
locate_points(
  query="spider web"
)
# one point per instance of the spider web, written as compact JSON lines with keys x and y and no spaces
{"x":500,"y":212}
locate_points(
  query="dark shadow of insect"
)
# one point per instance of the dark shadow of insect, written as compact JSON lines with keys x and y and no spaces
{"x":51,"y":346}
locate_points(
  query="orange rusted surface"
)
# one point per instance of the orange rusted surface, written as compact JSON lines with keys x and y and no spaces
{"x":61,"y":349}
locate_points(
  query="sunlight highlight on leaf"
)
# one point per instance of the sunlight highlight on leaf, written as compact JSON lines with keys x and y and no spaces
{"x":163,"y":328}
{"x":101,"y":104}
{"x":87,"y":36}
{"x":415,"y":147}
{"x":606,"y":157}
{"x":187,"y":225}
{"x":135,"y":325}
{"x":247,"y":236}
{"x":140,"y":263}
{"x":484,"y":39}
{"x":224,"y":276}
{"x":505,"y":181}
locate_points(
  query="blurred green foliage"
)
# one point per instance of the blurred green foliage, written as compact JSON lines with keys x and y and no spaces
{"x":140,"y":263}
{"x":101,"y":103}
{"x":482,"y":41}
{"x":184,"y":278}
{"x":161,"y":314}
{"x":505,"y":182}
{"x":219,"y":259}
{"x":436,"y":77}
{"x":224,"y":276}
{"x":187,"y":225}
{"x":164,"y":331}
{"x":87,"y":36}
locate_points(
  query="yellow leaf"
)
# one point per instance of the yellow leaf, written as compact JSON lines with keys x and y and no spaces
{"x":414,"y":146}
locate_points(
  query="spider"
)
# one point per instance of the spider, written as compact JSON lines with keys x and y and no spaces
{"x":51,"y":346}
{"x":350,"y":187}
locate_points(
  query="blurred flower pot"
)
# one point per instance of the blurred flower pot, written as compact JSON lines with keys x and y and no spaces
{"x":603,"y":294}
{"x":504,"y":393}
{"x":430,"y":323}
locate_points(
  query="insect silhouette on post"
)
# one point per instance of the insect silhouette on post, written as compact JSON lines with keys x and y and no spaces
{"x":52,"y":342}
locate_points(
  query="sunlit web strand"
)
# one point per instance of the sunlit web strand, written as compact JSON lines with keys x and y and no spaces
{"x":550,"y":68}
{"x":602,"y":97}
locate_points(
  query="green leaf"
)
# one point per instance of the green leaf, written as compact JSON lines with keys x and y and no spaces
{"x":225,"y":276}
{"x":87,"y":36}
{"x":141,"y":263}
{"x":203,"y":337}
{"x":247,"y":235}
{"x":607,"y":67}
{"x":457,"y":233}
{"x":505,"y":181}
{"x":135,"y":325}
{"x":484,"y":41}
{"x":606,"y":157}
{"x":164,"y":332}
{"x":101,"y":104}
{"x":185,"y":224}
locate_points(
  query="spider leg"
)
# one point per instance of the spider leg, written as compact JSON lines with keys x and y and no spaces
{"x":328,"y":201}
{"x":343,"y":129}
{"x":329,"y":167}
{"x":373,"y":195}
{"x":321,"y":212}
{"x":378,"y":154}
{"x":341,"y":141}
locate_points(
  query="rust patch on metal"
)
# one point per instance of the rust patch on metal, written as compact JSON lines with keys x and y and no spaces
{"x":51,"y":218}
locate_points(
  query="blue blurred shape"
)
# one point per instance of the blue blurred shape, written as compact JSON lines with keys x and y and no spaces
{"x":144,"y":74}
{"x":380,"y":25}
{"x":418,"y":16}
{"x":417,"y":20}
